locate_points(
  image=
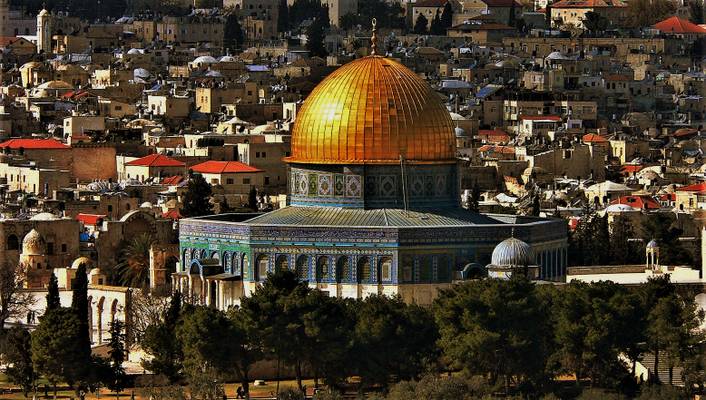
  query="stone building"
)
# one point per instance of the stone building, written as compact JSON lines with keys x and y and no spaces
{"x":372,"y":202}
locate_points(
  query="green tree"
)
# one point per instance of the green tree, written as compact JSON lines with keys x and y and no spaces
{"x":420,"y":25}
{"x":475,"y":198}
{"x":117,"y":381}
{"x":244,"y":346}
{"x":696,"y":11}
{"x":623,"y":250}
{"x":15,"y":302}
{"x":484,"y":330}
{"x":436,"y":27}
{"x":196,"y":199}
{"x":273,"y":310}
{"x":283,"y":17}
{"x":160,"y":342}
{"x":233,"y":37}
{"x":447,"y":16}
{"x":327,"y":324}
{"x":316,"y":34}
{"x":207,"y":337}
{"x":645,"y":13}
{"x":53,"y":300}
{"x":661,"y":227}
{"x":381,"y":320}
{"x":590,"y":331}
{"x":589,"y":241}
{"x":79,"y":305}
{"x":672,"y":326}
{"x":595,"y":23}
{"x":55,"y":347}
{"x":17,"y":354}
{"x":134,"y":267}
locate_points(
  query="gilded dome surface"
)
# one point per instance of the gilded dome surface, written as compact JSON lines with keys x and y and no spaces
{"x":512,"y":252}
{"x":372,"y":111}
{"x":33,"y":244}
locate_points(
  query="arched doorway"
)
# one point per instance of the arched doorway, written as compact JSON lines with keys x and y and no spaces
{"x":213,"y":294}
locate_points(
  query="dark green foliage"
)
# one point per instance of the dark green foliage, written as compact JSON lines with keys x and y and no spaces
{"x":484,"y":330}
{"x":382,"y":320}
{"x":436,"y":27}
{"x":134,"y":267}
{"x":389,"y":14}
{"x":447,"y":16}
{"x":475,"y":198}
{"x":56,"y":350}
{"x":53,"y":300}
{"x":196,"y":200}
{"x":116,"y":353}
{"x":420,"y":25}
{"x":252,"y":198}
{"x":590,"y":331}
{"x":17,"y":353}
{"x":624,"y":251}
{"x":162,"y":344}
{"x":661,"y":227}
{"x":79,"y":305}
{"x":595,"y":22}
{"x":316,"y":33}
{"x":696,"y":11}
{"x":283,"y":17}
{"x":588,"y":243}
{"x":302,"y":10}
{"x":233,"y":39}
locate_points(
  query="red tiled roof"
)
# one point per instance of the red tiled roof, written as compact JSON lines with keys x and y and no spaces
{"x":172,"y":214}
{"x":588,"y":4}
{"x":678,"y":25}
{"x":631,"y":169}
{"x":593,"y":138}
{"x":494,"y":135}
{"x":540,"y":117}
{"x":697,"y":187}
{"x":641,"y":202}
{"x":430,"y":3}
{"x":34,"y":144}
{"x":223,"y":167}
{"x":497,"y":149}
{"x":90,"y":219}
{"x":172,"y":180}
{"x":685,"y":132}
{"x":155,"y":160}
{"x":668,"y":197}
{"x":5,"y":40}
{"x":501,"y":3}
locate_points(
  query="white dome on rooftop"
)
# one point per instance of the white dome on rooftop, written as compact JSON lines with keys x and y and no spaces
{"x":205,"y":60}
{"x":512,"y":252}
{"x":45,"y":216}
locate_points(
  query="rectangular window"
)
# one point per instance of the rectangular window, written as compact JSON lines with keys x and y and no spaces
{"x":246,"y":181}
{"x":63,"y":247}
{"x":50,"y":248}
{"x":229,"y":181}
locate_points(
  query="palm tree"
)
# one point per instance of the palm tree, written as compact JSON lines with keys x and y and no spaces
{"x":134,"y":267}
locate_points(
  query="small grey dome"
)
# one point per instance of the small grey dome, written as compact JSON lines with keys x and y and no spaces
{"x":512,"y":252}
{"x":652,"y":244}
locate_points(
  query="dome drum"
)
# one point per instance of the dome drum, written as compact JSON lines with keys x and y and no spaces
{"x":374,"y":186}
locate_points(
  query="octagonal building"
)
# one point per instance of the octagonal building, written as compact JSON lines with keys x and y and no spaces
{"x":373,"y":202}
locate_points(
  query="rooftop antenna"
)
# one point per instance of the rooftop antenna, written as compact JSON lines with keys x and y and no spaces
{"x":374,"y":38}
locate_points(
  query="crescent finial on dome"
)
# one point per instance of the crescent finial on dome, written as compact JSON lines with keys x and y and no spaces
{"x":374,"y":38}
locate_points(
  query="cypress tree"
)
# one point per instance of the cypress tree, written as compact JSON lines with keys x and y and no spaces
{"x":79,"y":306}
{"x":53,"y":301}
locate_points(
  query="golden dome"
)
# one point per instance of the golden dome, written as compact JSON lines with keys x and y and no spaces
{"x":371,"y":111}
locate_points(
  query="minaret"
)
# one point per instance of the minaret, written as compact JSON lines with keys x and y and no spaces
{"x":44,"y":31}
